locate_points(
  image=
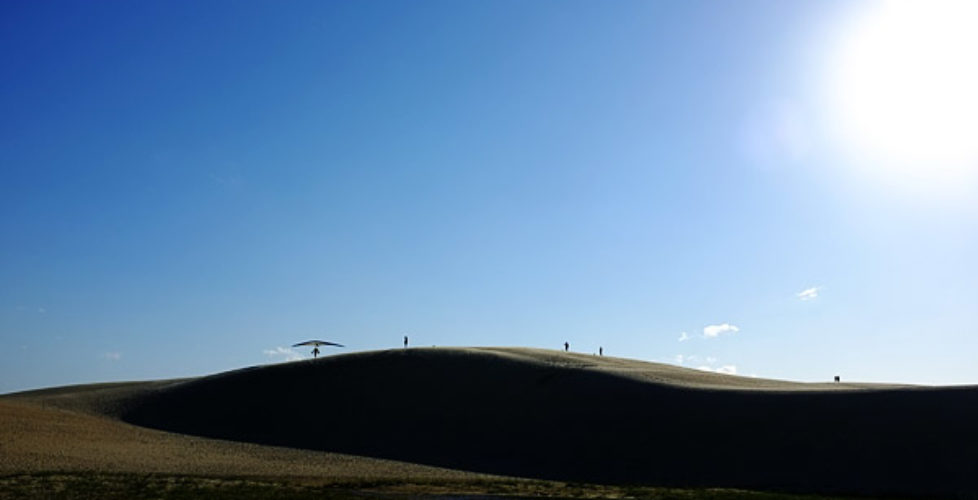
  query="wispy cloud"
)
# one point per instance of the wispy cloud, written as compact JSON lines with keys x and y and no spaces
{"x":775,"y":133}
{"x":283,"y":354}
{"x":683,"y":337}
{"x":682,"y":359}
{"x":227,"y":181}
{"x":809,"y":293}
{"x":38,"y":309}
{"x":714,"y":331}
{"x":112,"y":356}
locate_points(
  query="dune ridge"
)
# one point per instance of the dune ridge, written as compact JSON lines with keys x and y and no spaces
{"x":565,"y":416}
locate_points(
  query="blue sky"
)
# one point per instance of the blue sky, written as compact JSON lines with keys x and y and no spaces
{"x":188,"y":187}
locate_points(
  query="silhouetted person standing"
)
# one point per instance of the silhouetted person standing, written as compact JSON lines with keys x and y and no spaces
{"x":405,"y":341}
{"x":315,"y":352}
{"x":601,"y":351}
{"x":566,"y":346}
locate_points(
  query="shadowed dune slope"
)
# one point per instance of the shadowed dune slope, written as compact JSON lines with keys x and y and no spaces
{"x":548,"y":414}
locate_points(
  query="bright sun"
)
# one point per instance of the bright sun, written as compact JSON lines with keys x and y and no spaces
{"x":905,"y":89}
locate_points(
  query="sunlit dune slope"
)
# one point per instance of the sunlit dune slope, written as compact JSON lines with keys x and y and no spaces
{"x":550,"y":414}
{"x":45,"y":439}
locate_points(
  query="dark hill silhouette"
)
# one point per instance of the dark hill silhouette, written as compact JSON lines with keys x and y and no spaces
{"x":552,"y":415}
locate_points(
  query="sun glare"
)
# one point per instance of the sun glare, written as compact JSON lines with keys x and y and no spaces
{"x":905,"y":90}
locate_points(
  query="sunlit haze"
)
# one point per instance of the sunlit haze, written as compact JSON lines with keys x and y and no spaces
{"x":904,"y":89}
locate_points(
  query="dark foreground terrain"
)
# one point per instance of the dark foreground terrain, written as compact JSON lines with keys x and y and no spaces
{"x":426,"y":415}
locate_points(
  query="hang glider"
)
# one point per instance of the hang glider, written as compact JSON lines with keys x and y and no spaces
{"x":317,"y":343}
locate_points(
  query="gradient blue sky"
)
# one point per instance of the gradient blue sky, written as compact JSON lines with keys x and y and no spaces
{"x":188,"y":187}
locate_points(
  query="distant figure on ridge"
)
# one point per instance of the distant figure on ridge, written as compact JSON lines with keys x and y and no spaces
{"x":566,"y":346}
{"x":837,"y":379}
{"x":405,"y":341}
{"x":315,"y":352}
{"x":601,"y":351}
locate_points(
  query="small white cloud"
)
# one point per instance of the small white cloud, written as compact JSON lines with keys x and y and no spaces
{"x":713,"y":331}
{"x":683,"y":337}
{"x":725,"y":369}
{"x":809,"y":293}
{"x":112,"y":356}
{"x":679,"y":359}
{"x":282,"y":354}
{"x":710,"y":360}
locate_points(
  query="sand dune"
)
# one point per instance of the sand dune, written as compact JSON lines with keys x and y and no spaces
{"x":555,"y":415}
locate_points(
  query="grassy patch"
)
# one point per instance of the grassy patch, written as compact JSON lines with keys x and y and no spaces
{"x":78,"y":486}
